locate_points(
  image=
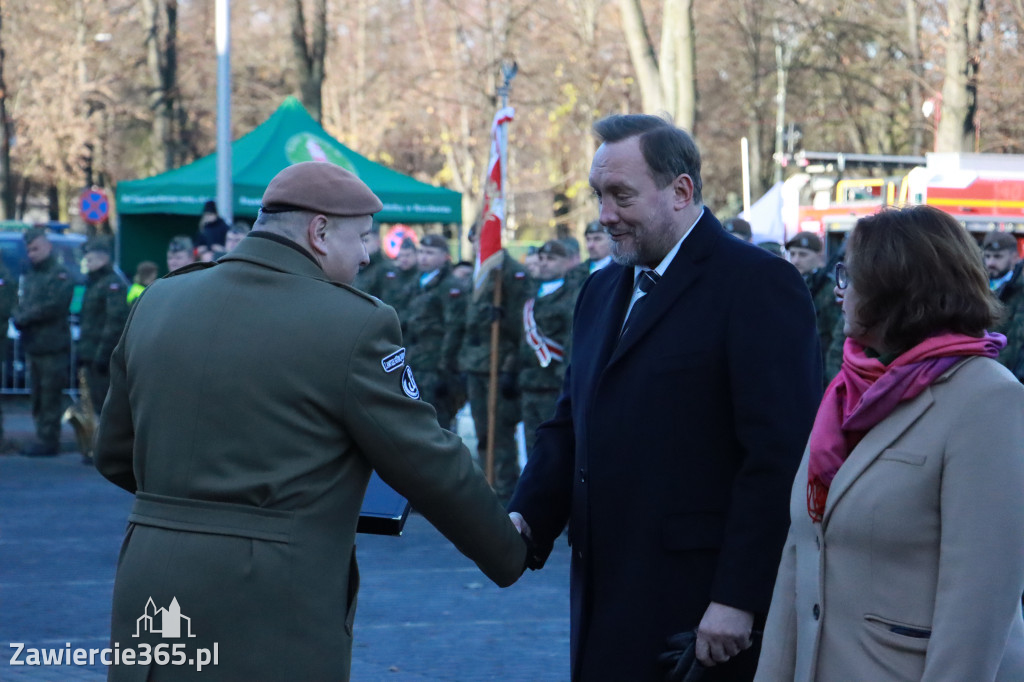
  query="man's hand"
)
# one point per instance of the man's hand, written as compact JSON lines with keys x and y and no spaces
{"x":723,"y":632}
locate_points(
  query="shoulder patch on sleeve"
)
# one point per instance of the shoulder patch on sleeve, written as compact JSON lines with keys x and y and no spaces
{"x":455,"y":292}
{"x":393,"y":361}
{"x":520,"y":274}
{"x":409,"y":385}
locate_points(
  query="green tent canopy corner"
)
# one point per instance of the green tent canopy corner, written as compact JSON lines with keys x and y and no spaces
{"x":152,"y":210}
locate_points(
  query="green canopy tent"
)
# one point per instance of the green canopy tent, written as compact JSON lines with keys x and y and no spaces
{"x":152,"y":210}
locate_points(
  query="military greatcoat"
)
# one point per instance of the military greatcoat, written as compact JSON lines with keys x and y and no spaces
{"x":249,"y":401}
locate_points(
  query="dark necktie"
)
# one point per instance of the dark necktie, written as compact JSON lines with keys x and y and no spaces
{"x":648,"y":278}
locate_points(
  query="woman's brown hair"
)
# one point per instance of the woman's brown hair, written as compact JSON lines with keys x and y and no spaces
{"x":918,"y":273}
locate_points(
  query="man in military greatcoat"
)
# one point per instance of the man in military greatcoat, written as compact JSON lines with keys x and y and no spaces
{"x":250,"y":399}
{"x":42,"y":319}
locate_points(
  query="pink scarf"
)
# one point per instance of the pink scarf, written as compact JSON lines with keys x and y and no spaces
{"x":865,"y":392}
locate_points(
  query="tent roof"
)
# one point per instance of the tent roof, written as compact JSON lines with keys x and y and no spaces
{"x":289,"y":136}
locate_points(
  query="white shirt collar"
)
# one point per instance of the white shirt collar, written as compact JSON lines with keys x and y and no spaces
{"x":598,"y":264}
{"x":667,"y":260}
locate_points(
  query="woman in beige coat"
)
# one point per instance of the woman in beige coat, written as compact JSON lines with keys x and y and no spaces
{"x":905,"y":556}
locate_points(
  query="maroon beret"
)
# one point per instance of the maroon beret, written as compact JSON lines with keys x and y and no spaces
{"x":319,"y":187}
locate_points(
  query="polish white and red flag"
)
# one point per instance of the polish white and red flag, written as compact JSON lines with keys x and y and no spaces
{"x":488,"y":254}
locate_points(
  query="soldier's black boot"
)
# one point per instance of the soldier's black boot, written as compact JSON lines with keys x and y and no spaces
{"x":40,"y":449}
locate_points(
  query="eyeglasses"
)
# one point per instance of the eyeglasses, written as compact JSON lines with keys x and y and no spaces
{"x":842,"y":276}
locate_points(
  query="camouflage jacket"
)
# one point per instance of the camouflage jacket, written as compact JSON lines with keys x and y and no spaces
{"x":552,"y":315}
{"x":104,"y":311}
{"x":42,"y":312}
{"x":393,"y":287}
{"x":475,"y":352}
{"x":368,"y":279}
{"x":8,"y":295}
{"x":433,"y":321}
{"x":1011,"y":295}
{"x":826,"y":309}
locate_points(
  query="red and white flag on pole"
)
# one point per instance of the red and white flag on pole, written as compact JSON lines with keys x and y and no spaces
{"x":488,"y":254}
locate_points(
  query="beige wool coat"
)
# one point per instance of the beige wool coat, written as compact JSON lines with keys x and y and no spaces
{"x":917,"y":569}
{"x":249,"y":403}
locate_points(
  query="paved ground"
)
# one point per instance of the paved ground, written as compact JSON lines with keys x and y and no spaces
{"x":425,"y":612}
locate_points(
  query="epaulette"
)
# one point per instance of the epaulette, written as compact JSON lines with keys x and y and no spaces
{"x":191,"y":267}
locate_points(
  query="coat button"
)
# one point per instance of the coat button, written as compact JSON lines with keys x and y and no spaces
{"x":583,"y":475}
{"x":579,"y":554}
{"x":816,"y":611}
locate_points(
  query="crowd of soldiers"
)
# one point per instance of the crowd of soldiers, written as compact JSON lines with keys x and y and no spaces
{"x":446,"y":319}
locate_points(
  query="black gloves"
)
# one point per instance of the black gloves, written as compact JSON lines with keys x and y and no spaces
{"x":680,"y":661}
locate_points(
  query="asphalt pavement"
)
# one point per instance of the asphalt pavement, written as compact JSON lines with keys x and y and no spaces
{"x":425,"y":612}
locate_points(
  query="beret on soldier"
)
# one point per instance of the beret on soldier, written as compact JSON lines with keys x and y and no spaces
{"x":319,"y":187}
{"x":738,"y":226}
{"x":435,"y":241}
{"x":999,"y":241}
{"x":554,"y":248}
{"x":593,"y":227}
{"x":805,"y":240}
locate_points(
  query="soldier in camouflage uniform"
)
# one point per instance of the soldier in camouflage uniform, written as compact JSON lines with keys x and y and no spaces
{"x":395,"y":278}
{"x":104,"y":311}
{"x":1004,"y":268}
{"x":475,"y":362}
{"x":807,"y":254}
{"x":368,"y":279}
{"x":547,"y":332}
{"x":433,"y":317}
{"x":8,"y":297}
{"x":599,"y":248}
{"x":42,"y":319}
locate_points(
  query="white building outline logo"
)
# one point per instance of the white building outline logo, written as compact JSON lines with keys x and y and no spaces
{"x":165,"y":622}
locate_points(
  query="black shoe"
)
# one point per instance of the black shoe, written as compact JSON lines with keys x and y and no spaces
{"x":41,"y":450}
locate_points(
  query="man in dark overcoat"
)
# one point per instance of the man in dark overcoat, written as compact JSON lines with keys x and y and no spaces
{"x":693,"y":382}
{"x":250,"y":399}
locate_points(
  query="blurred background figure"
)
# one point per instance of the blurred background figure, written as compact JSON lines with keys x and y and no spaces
{"x":180,"y":252}
{"x":463,"y":269}
{"x":104,"y":311}
{"x":897,"y":563}
{"x":145,"y":274}
{"x":1003,"y":265}
{"x":807,"y":254}
{"x":8,"y":298}
{"x":397,"y":276}
{"x":547,"y":333}
{"x":739,"y":228}
{"x":42,"y":319}
{"x":368,"y":279}
{"x":212,"y":230}
{"x":599,"y":252}
{"x":530,"y":261}
{"x":236,"y":234}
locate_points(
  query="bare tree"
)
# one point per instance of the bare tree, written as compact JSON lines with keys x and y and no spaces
{"x":957,"y":127}
{"x":667,"y":79}
{"x":309,"y":54}
{"x":6,"y":188}
{"x":161,"y":26}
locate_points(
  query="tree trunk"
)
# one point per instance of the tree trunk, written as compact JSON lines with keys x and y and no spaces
{"x":309,"y":55}
{"x":917,"y":68}
{"x":6,"y":187}
{"x":162,"y":61}
{"x":960,"y":89}
{"x":641,"y":54}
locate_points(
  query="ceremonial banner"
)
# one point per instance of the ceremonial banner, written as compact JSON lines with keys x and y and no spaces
{"x":488,"y":254}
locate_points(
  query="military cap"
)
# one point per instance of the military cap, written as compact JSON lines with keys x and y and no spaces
{"x":999,"y":241}
{"x":554,"y":247}
{"x":571,"y":244}
{"x":805,"y":240}
{"x":319,"y":187}
{"x":435,"y":241}
{"x":34,"y":233}
{"x":97,"y":245}
{"x":741,"y":228}
{"x":408,"y":243}
{"x":592,"y":227}
{"x":772,"y":247}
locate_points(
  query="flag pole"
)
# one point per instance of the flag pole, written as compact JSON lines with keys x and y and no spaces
{"x":508,"y":72}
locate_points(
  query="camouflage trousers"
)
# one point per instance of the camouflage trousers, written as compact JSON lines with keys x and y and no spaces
{"x":538,"y":407}
{"x":49,"y":378}
{"x":506,"y":455}
{"x":99,"y":384}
